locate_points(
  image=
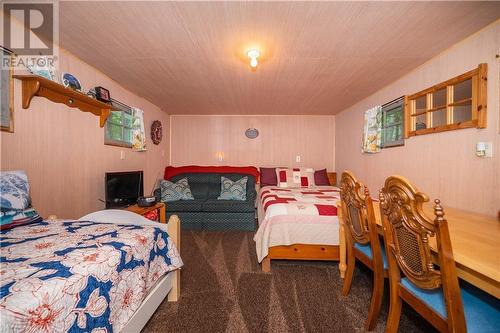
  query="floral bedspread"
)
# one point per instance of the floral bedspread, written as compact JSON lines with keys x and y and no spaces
{"x":79,"y":276}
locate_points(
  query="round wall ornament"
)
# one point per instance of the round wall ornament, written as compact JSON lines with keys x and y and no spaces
{"x":70,"y":81}
{"x":251,"y":133}
{"x":156,"y":132}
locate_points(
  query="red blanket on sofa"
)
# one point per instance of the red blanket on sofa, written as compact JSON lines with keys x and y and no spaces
{"x":171,"y":171}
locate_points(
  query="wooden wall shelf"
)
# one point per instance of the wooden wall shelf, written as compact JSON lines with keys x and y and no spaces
{"x":34,"y":85}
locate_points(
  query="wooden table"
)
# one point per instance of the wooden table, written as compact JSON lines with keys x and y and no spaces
{"x":475,"y":240}
{"x":144,"y":210}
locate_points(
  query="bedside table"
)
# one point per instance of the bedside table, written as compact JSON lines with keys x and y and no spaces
{"x":160,"y":206}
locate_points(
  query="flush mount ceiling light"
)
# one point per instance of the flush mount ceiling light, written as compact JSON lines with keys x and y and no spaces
{"x":253,"y":54}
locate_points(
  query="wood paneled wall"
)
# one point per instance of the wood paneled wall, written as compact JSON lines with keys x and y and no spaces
{"x":444,"y":165}
{"x":197,"y":140}
{"x":63,"y":152}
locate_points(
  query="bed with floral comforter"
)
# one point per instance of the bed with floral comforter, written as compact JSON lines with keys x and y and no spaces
{"x":79,"y":276}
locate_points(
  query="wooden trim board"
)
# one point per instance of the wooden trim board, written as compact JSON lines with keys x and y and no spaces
{"x":332,"y":178}
{"x":174,"y":232}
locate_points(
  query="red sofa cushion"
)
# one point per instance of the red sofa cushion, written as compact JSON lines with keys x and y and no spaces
{"x":171,"y":171}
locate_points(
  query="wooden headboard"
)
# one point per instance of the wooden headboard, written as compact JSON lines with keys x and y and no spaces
{"x":332,"y":178}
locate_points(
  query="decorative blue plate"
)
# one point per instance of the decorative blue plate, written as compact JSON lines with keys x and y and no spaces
{"x":70,"y":81}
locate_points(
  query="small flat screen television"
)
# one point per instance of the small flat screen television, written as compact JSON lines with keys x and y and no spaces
{"x":123,"y":188}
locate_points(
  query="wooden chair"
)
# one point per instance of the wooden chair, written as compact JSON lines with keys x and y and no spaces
{"x":433,"y":291}
{"x":362,"y":240}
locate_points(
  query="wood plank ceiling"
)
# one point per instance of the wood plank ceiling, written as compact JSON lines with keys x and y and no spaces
{"x":317,"y":57}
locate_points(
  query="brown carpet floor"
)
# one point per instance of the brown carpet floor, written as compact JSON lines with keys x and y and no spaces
{"x":224,"y":290}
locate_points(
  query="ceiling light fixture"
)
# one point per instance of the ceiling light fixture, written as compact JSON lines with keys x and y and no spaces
{"x":253,"y":54}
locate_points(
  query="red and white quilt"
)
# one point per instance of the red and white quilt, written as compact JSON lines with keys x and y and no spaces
{"x":296,"y":216}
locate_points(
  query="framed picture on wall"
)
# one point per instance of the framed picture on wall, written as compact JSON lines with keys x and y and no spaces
{"x":6,"y":92}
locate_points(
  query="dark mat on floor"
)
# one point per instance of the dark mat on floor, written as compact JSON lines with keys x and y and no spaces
{"x":224,"y":290}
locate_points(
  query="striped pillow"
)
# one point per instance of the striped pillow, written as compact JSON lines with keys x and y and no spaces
{"x":296,"y":177}
{"x":12,"y":218}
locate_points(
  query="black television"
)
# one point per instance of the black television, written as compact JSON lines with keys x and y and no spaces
{"x":123,"y":188}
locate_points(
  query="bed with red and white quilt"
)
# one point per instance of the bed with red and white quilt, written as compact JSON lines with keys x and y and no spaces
{"x":302,"y":215}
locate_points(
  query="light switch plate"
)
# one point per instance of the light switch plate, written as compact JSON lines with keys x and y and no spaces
{"x":297,"y":158}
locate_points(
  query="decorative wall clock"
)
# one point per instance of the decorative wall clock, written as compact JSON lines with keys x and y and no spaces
{"x":156,"y":132}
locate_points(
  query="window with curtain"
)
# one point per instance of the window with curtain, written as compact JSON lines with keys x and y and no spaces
{"x":119,"y":126}
{"x":393,"y":123}
{"x":372,"y":135}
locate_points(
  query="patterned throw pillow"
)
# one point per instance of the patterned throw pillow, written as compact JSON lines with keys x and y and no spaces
{"x":15,"y":200}
{"x":230,"y":190}
{"x":12,"y":218}
{"x":297,"y":177}
{"x":175,"y":191}
{"x":14,"y":190}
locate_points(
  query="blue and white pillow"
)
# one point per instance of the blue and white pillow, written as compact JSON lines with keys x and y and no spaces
{"x":14,"y":190}
{"x":230,"y":190}
{"x":175,"y":191}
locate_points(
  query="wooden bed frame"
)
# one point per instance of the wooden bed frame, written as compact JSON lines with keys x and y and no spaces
{"x":300,"y":252}
{"x":303,"y":251}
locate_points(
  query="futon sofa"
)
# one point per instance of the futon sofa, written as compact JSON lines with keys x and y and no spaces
{"x":206,"y":212}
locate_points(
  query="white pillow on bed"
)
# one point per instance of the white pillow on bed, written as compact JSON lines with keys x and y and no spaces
{"x":295,"y":177}
{"x":115,"y":216}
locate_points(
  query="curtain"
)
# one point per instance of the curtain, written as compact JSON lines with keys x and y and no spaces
{"x":138,"y":131}
{"x":372,"y":133}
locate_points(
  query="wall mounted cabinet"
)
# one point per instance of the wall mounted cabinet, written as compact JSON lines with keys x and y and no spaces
{"x":454,"y":104}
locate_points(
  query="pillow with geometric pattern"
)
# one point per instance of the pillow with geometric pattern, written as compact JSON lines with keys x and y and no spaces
{"x":175,"y":191}
{"x":15,"y":200}
{"x":14,"y":189}
{"x":233,"y":190}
